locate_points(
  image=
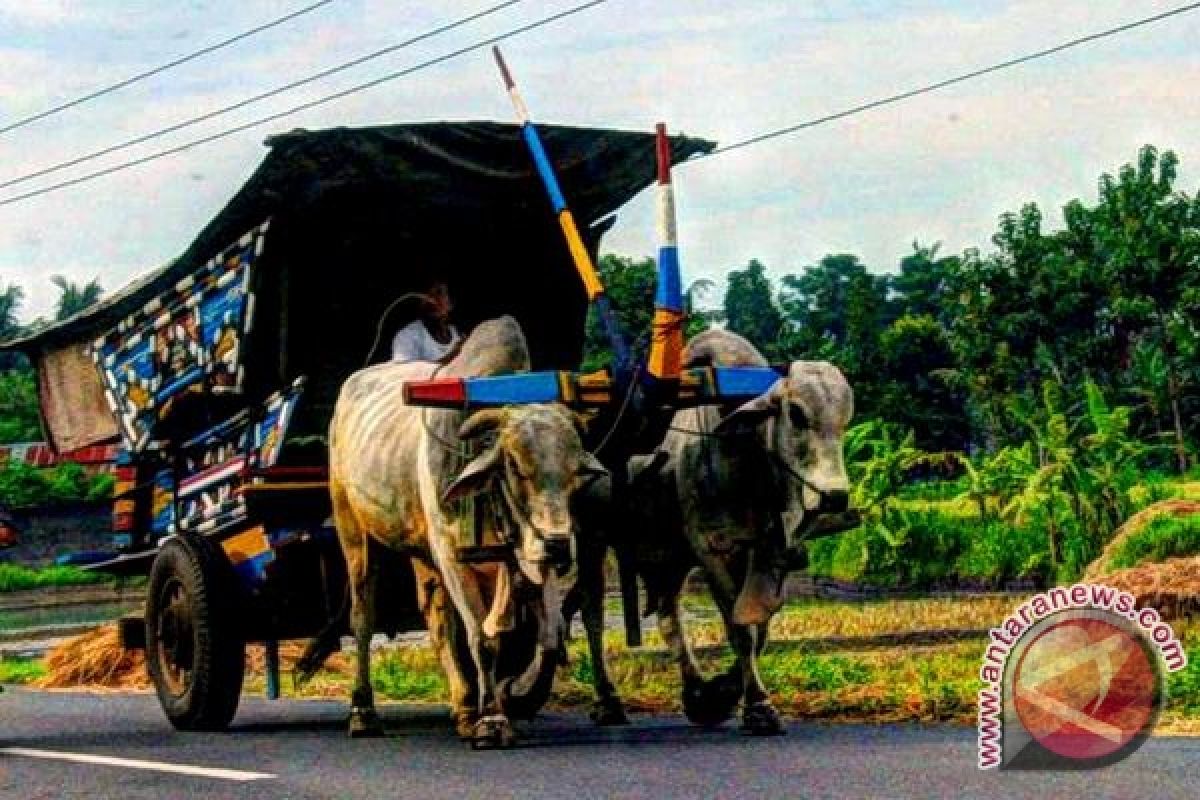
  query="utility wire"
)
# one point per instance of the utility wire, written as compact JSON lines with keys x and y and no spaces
{"x":933,"y":87}
{"x":78,"y":101}
{"x":316,"y":76}
{"x":575,"y":10}
{"x":304,"y":106}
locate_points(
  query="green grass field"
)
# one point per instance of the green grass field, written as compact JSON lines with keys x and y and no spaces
{"x":16,"y":578}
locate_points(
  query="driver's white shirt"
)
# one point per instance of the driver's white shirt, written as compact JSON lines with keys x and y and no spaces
{"x":414,"y":342}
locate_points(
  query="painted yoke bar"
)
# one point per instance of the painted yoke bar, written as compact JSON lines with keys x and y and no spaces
{"x":697,"y":386}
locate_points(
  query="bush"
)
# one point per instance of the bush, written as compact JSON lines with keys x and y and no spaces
{"x":21,"y":670}
{"x":23,"y":486}
{"x":997,"y":553}
{"x":1162,"y":538}
{"x":15,"y":578}
{"x":1183,"y":687}
{"x":930,"y":549}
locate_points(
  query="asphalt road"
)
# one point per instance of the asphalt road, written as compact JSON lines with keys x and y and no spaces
{"x":299,"y":749}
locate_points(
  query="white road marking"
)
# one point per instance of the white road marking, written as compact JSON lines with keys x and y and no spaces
{"x":131,"y":763}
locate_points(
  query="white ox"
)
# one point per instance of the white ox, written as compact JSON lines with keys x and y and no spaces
{"x":393,"y":470}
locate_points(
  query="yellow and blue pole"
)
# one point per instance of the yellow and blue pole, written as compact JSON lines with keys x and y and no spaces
{"x":566,"y":220}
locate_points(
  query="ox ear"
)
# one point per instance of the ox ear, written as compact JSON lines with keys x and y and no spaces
{"x":481,"y":422}
{"x":591,"y":468}
{"x":749,"y":415}
{"x":474,"y":476}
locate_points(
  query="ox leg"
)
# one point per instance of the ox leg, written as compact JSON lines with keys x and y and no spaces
{"x":715,"y":700}
{"x":493,"y":727}
{"x":608,"y":709}
{"x":364,"y":720}
{"x":759,"y":717}
{"x":522,"y":697}
{"x":443,"y":634}
{"x":696,"y":705}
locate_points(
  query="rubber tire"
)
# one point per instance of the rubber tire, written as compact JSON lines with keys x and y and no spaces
{"x":218,"y":649}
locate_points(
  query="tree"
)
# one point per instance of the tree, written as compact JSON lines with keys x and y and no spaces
{"x":750,"y":308}
{"x":74,"y":298}
{"x":19,"y":417}
{"x":836,"y":311}
{"x":916,"y":385}
{"x":11,"y":298}
{"x":1147,"y":238}
{"x":700,"y":319}
{"x":925,"y":284}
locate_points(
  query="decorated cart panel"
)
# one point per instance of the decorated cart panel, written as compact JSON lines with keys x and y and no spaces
{"x":189,"y":340}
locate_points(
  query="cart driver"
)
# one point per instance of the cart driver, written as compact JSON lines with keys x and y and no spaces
{"x":430,"y":337}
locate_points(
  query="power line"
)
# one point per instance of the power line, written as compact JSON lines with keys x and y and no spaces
{"x":316,"y":76}
{"x":891,"y":99}
{"x":78,"y":101}
{"x":933,"y":87}
{"x":304,"y":106}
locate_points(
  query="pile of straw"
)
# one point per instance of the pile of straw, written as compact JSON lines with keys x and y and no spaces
{"x":96,"y":660}
{"x":1171,"y":508}
{"x":1172,"y":587}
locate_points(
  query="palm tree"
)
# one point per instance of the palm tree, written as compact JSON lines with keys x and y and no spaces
{"x":697,"y":293}
{"x":10,"y":300}
{"x":74,"y":298}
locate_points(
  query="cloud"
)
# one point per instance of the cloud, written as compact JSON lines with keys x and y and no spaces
{"x":941,"y":166}
{"x":38,"y":13}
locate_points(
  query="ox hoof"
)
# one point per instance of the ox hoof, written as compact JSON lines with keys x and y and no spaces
{"x":761,"y":719}
{"x":608,"y":711}
{"x":365,"y":724}
{"x":711,"y":703}
{"x":493,"y":732}
{"x":464,"y":724}
{"x":522,"y":707}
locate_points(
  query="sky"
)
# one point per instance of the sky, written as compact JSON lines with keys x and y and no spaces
{"x":938,"y":168}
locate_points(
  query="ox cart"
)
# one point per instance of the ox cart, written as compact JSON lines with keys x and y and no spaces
{"x":218,"y":372}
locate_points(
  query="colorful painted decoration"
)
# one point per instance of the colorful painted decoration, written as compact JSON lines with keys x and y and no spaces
{"x":212,"y":467}
{"x":566,"y":220}
{"x":162,"y":504}
{"x":191,"y":340}
{"x":589,"y":390}
{"x":697,"y":386}
{"x":666,"y":344}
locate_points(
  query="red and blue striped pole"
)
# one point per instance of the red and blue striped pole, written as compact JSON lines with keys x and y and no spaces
{"x":566,"y":220}
{"x":666,"y":346}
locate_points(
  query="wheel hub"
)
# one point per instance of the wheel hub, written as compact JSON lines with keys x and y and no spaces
{"x":176,"y":645}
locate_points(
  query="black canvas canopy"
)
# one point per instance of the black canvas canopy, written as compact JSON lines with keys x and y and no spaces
{"x":361,"y":216}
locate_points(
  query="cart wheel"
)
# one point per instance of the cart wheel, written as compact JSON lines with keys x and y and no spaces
{"x":194,"y":651}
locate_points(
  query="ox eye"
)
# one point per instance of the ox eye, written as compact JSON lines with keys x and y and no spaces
{"x":797,"y":416}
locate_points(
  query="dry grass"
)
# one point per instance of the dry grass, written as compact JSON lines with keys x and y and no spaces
{"x":94,"y":659}
{"x":1172,"y":587}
